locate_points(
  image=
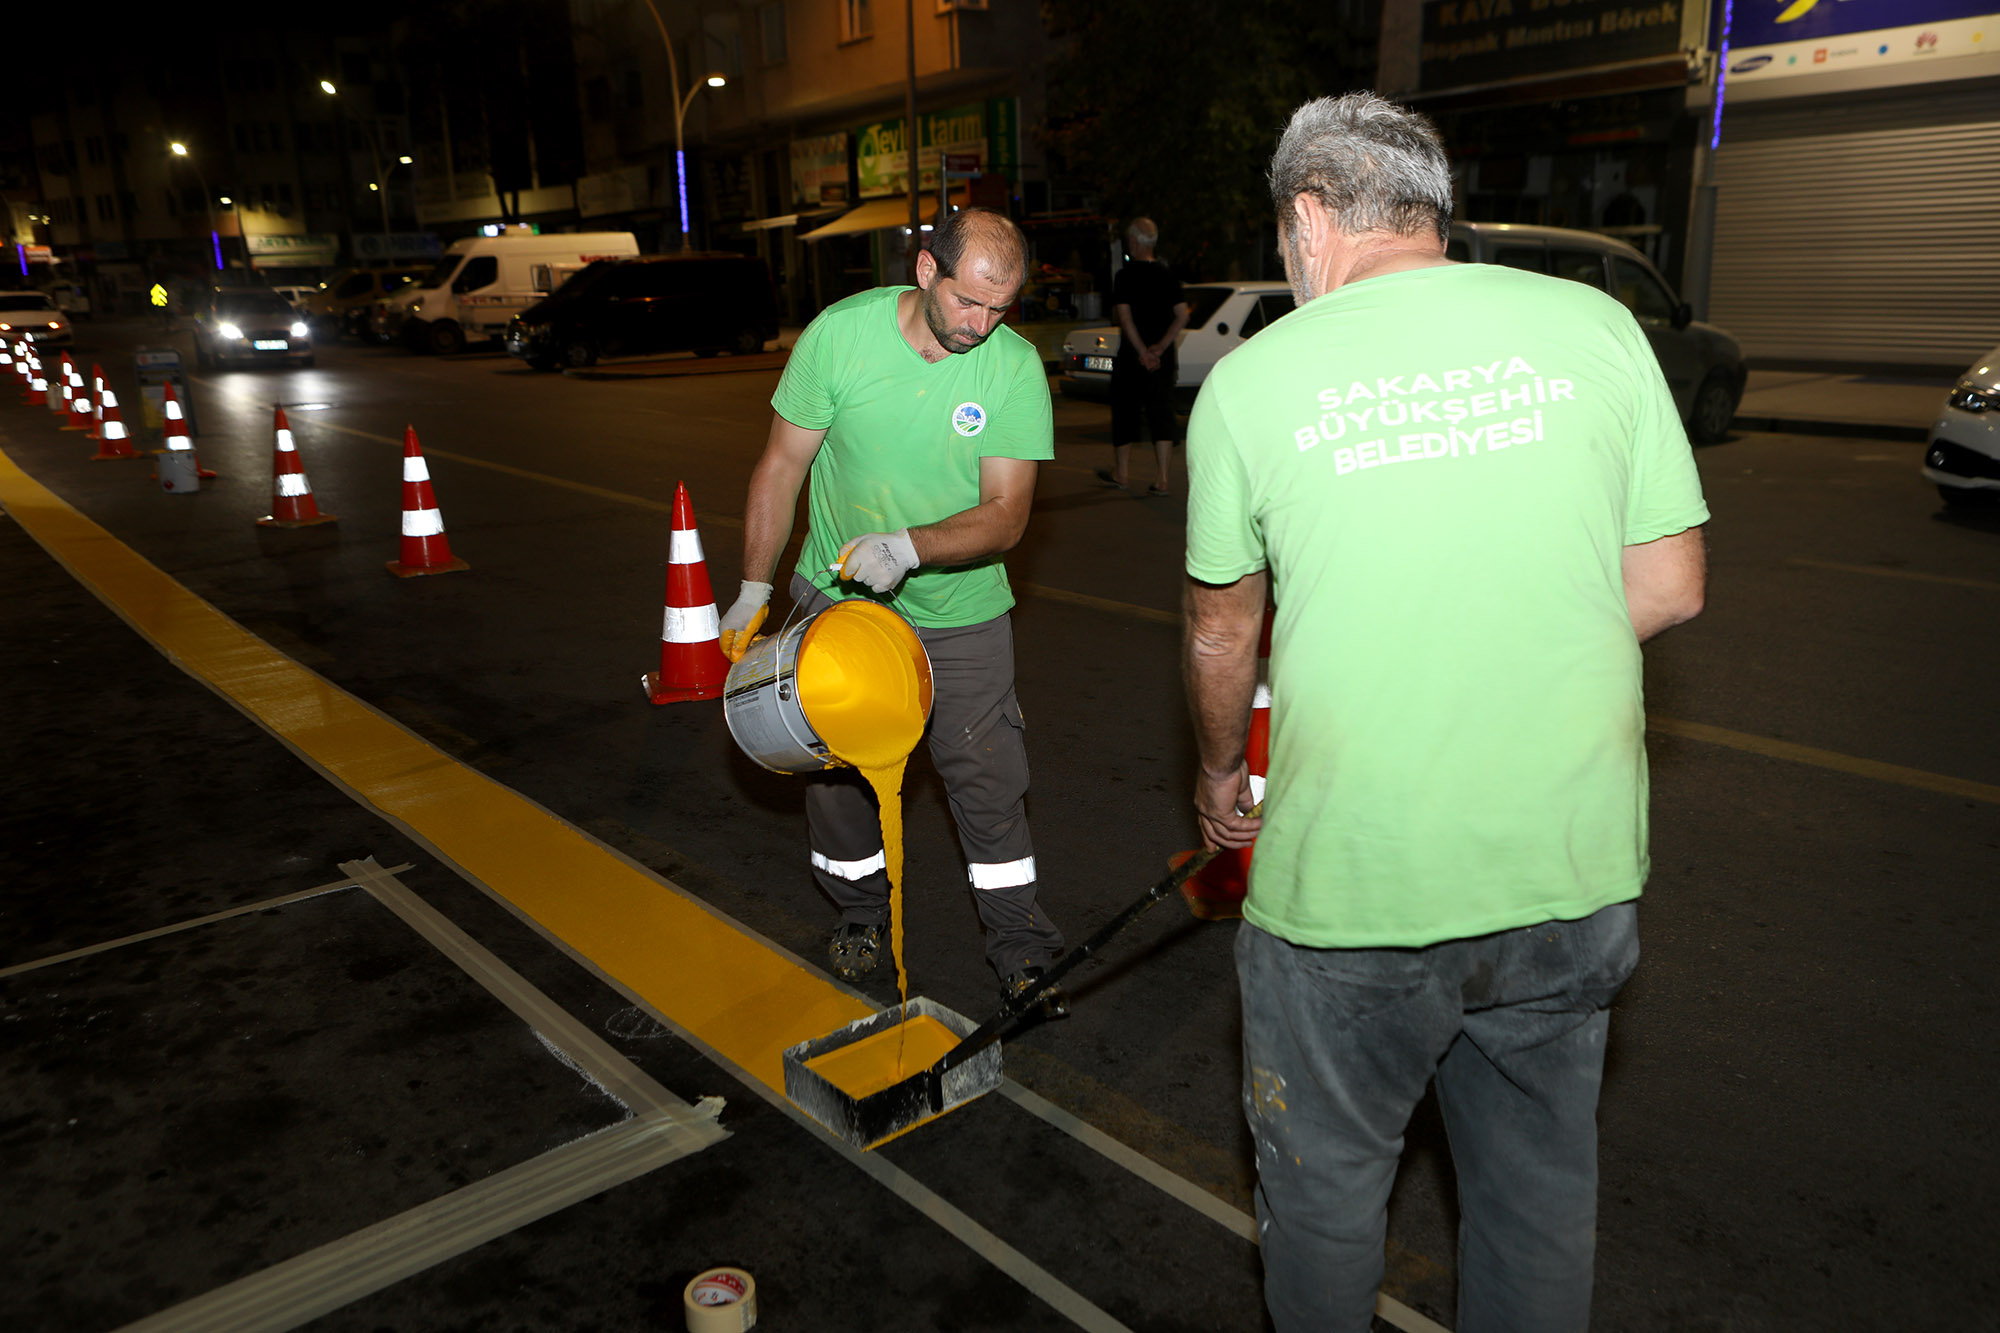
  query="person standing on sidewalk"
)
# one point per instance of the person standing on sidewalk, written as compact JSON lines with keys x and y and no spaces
{"x":1146,"y":297}
{"x":1473,"y":492}
{"x":920,"y":421}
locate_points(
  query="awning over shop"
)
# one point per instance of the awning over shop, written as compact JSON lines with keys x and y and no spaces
{"x":807,"y":217}
{"x":874,"y":215}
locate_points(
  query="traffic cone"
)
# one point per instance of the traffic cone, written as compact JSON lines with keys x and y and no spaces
{"x":96,"y":401}
{"x":425,"y":550}
{"x":180,"y":470}
{"x":1216,"y":891}
{"x":79,"y":415}
{"x":691,"y":662}
{"x":38,"y":384}
{"x":113,"y":441}
{"x":292,"y":503}
{"x":6,"y":354}
{"x":57,"y":379}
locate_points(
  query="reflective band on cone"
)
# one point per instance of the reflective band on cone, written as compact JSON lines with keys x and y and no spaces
{"x":80,"y":417}
{"x":425,"y":549}
{"x":1216,"y":891}
{"x":722,"y":1300}
{"x":691,"y":662}
{"x":113,"y":441}
{"x":292,"y":503}
{"x":96,"y":401}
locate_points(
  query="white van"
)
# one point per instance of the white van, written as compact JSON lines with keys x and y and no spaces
{"x":484,"y":281}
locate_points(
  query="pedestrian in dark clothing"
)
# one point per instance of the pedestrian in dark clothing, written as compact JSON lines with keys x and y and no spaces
{"x":1151,"y":314}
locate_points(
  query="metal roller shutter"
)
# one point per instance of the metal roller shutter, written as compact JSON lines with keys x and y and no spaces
{"x":1867,"y":231}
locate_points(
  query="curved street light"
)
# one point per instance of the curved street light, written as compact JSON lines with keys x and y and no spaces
{"x":180,"y":150}
{"x":377,"y":187}
{"x":681,"y":104}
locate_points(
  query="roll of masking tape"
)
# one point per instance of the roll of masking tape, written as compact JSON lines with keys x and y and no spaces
{"x":722,"y":1300}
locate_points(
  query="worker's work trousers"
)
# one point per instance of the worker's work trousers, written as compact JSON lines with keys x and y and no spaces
{"x":977,"y":743}
{"x":1337,"y":1047}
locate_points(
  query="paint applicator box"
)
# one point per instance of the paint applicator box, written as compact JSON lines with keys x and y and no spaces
{"x":866,"y":1121}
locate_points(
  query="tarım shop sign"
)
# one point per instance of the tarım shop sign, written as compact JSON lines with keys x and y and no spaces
{"x":1494,"y":41}
{"x":1772,"y":39}
{"x":982,"y":129}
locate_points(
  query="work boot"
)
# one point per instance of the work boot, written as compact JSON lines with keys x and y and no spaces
{"x":1050,"y":1006}
{"x":855,"y":948}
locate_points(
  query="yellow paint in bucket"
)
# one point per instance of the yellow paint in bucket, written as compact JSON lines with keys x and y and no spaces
{"x":864,"y":684}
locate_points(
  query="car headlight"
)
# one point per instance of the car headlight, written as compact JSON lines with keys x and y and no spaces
{"x":298,"y":328}
{"x":1969,"y":397}
{"x":229,"y":330}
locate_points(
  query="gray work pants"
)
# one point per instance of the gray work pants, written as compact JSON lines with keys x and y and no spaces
{"x":977,"y":743}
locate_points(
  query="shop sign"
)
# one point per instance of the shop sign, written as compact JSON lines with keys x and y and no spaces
{"x":1826,"y":37}
{"x":819,"y":170}
{"x":987,"y":132}
{"x":1500,"y":41}
{"x":309,"y":250}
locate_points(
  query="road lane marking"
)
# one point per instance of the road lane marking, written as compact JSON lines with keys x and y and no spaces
{"x":265,"y":905}
{"x":731,"y":994}
{"x":1827,"y":759}
{"x":1918,"y":576}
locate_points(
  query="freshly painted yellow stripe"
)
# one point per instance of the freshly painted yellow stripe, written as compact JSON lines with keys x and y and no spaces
{"x":1839,"y":763}
{"x":1917,"y":576}
{"x":738,"y":995}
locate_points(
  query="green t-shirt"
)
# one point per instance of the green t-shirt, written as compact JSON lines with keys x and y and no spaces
{"x":1440,"y":468}
{"x":904,"y":437}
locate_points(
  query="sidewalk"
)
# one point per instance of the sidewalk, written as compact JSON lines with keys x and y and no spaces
{"x":1883,"y":407}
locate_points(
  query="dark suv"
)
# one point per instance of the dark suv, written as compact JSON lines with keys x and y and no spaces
{"x":701,"y":303}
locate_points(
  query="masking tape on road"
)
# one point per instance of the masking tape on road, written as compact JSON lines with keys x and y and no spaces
{"x":722,"y":1300}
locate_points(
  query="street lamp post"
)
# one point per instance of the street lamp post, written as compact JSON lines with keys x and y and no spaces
{"x":681,"y":105}
{"x":180,"y":150}
{"x":380,"y":187}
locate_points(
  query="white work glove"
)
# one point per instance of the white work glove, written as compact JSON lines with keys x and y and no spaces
{"x":739,"y":627}
{"x":879,"y":559}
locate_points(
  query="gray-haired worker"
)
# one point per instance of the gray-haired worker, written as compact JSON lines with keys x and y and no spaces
{"x":1472,"y":492}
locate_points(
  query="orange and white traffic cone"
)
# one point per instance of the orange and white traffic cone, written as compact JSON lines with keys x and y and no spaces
{"x":113,"y":440}
{"x":180,"y":470}
{"x":292,"y":503}
{"x":1216,"y":891}
{"x":691,"y":662}
{"x":57,"y":379}
{"x":425,"y":549}
{"x":80,"y":416}
{"x":38,"y":381}
{"x":96,"y":401}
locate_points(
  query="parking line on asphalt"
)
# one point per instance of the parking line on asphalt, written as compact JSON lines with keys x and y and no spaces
{"x":730,"y":993}
{"x":1917,"y":576}
{"x":1828,"y":759}
{"x":262,"y":906}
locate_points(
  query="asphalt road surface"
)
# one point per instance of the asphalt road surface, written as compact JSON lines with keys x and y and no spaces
{"x":1792,"y":1132}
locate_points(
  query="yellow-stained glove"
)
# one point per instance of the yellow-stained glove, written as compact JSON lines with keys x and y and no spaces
{"x":739,"y":627}
{"x":878,"y":560}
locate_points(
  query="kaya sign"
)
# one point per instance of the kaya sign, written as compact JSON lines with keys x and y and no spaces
{"x":1499,"y":41}
{"x":988,"y":131}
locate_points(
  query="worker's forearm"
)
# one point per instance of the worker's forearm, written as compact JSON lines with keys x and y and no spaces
{"x":991,"y":527}
{"x":767,"y":516}
{"x":1219,"y":667}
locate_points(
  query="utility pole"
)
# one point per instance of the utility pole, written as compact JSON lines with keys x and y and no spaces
{"x":910,"y":132}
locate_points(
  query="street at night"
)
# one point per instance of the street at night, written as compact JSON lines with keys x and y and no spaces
{"x":1792,"y":1135}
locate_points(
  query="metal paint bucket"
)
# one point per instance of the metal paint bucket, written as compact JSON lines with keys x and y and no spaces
{"x":761,"y":702}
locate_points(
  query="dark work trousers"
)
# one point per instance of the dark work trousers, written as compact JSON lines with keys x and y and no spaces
{"x":977,"y":743}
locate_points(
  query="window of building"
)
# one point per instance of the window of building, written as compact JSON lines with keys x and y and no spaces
{"x":771,"y":32}
{"x":93,"y":148}
{"x":105,"y":210}
{"x":856,"y":21}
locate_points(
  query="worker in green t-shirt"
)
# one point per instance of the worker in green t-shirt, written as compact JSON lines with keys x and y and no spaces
{"x":1469,"y":493}
{"x":920,"y":420}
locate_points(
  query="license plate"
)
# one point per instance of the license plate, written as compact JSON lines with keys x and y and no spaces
{"x":271,"y":345}
{"x":1102,"y":363}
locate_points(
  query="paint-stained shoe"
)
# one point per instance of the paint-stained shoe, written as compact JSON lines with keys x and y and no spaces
{"x":854,"y":949}
{"x":1051,"y":1005}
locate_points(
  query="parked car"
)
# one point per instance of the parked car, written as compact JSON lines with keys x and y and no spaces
{"x":1703,"y":365}
{"x":33,"y":315}
{"x":254,"y":325}
{"x":342,"y":303}
{"x":484,"y":281}
{"x":296,"y":295}
{"x":1964,"y":457}
{"x":700,"y":303}
{"x":1221,"y":315}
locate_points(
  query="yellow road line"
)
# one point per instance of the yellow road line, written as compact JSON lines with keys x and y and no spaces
{"x":1986,"y":585}
{"x":740,"y":996}
{"x":1829,"y":759}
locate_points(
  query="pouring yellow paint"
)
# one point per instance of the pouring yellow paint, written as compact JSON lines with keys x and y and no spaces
{"x":864,"y":684}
